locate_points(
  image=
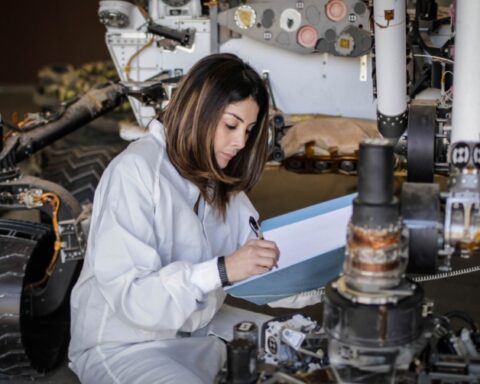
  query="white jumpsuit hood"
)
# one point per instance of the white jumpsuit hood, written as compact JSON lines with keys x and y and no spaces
{"x":150,"y":272}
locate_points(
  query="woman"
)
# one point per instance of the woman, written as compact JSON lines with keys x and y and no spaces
{"x":170,"y":228}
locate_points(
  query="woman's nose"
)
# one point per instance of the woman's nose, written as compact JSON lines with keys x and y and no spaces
{"x":240,"y":139}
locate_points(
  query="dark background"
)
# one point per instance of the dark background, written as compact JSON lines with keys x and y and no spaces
{"x":35,"y":33}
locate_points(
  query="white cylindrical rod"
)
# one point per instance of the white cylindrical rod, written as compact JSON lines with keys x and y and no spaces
{"x":466,"y":80}
{"x":390,"y":56}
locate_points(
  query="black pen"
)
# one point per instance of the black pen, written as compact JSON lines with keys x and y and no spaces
{"x":256,"y":228}
{"x":258,"y":231}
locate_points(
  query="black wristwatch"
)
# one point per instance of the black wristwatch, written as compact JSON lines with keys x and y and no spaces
{"x":222,"y":271}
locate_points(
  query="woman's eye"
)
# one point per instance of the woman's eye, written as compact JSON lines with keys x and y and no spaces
{"x":230,"y":126}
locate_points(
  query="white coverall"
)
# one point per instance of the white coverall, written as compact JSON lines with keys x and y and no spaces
{"x":143,"y":306}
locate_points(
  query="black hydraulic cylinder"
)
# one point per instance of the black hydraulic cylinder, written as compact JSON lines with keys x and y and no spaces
{"x":93,"y":104}
{"x":375,"y":171}
{"x":184,"y":37}
{"x":376,"y":206}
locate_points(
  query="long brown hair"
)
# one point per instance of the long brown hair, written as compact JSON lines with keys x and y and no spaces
{"x":192,"y":116}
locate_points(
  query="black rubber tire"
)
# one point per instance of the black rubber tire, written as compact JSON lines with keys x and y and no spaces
{"x":30,"y":345}
{"x":78,"y":169}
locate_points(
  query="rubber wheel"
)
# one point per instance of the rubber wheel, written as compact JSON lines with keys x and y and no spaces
{"x":30,"y":345}
{"x":78,"y":169}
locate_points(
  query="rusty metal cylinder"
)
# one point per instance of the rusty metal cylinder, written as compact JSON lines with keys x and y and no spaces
{"x":376,"y":246}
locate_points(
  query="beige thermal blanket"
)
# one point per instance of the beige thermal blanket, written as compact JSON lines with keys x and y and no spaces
{"x":327,"y":133}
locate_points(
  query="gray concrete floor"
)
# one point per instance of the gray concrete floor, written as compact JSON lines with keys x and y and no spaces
{"x":280,"y":191}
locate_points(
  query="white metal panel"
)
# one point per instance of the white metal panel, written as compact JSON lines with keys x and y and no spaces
{"x":153,"y":60}
{"x":302,"y":84}
{"x":318,"y":83}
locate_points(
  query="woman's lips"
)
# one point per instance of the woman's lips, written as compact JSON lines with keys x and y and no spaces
{"x":227,"y":156}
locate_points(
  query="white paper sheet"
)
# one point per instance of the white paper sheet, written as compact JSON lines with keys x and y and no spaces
{"x":310,"y":237}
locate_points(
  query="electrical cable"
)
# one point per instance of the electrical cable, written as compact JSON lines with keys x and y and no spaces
{"x":35,"y":121}
{"x":434,"y":57}
{"x":12,"y":127}
{"x":383,"y":26}
{"x":442,"y":79}
{"x":52,"y":199}
{"x":462,"y":316}
{"x":128,"y":66}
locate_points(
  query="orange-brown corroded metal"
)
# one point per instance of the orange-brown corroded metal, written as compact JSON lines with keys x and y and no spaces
{"x":376,"y":240}
{"x":367,"y":267}
{"x":373,"y":239}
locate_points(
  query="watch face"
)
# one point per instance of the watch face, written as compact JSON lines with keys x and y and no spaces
{"x":176,"y":3}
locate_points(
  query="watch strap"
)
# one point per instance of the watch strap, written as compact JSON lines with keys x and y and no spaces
{"x":222,"y":271}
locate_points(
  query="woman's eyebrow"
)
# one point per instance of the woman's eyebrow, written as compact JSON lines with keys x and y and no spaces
{"x":239,"y":118}
{"x":235,"y":115}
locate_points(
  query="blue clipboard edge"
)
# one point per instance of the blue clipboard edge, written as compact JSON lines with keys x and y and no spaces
{"x":316,"y":273}
{"x":308,"y":212}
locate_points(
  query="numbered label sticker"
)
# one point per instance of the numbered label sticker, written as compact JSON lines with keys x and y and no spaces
{"x":460,"y":155}
{"x":272,"y":345}
{"x":476,"y":155}
{"x":245,"y":326}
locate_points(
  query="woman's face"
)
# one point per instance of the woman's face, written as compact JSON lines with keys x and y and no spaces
{"x":232,"y":130}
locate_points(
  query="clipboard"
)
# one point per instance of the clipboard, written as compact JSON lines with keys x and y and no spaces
{"x":312,"y":250}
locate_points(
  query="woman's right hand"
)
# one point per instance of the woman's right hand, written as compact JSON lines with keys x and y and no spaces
{"x":254,"y":258}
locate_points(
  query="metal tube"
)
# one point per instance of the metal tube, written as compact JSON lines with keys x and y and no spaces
{"x":466,"y":80}
{"x":391,"y":67}
{"x":91,"y":105}
{"x":390,"y":49}
{"x":375,"y":171}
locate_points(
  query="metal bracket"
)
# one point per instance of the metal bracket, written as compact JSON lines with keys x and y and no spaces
{"x":73,"y":241}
